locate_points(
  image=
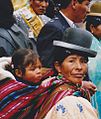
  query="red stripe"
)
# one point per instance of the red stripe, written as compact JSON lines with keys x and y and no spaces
{"x":15,"y":106}
{"x":6,"y":83}
{"x":13,"y":86}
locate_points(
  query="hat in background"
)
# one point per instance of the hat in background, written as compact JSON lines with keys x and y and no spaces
{"x":95,"y":9}
{"x":75,"y":40}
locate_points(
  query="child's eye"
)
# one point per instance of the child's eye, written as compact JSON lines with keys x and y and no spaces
{"x":71,"y":61}
{"x":33,"y":68}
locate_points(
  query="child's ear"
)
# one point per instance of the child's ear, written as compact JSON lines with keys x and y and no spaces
{"x":18,"y":73}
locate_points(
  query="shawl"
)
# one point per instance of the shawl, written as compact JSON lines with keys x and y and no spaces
{"x":21,"y":101}
{"x":18,"y":99}
{"x":59,"y":93}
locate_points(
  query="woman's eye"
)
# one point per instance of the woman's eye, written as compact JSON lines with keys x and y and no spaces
{"x":84,"y":61}
{"x":71,"y":61}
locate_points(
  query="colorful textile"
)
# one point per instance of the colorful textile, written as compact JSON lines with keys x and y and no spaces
{"x":94,"y":68}
{"x":72,"y":107}
{"x":65,"y":89}
{"x":18,"y":99}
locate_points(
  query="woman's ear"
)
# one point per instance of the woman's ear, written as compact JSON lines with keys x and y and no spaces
{"x":18,"y":73}
{"x":92,"y":28}
{"x":57,"y":66}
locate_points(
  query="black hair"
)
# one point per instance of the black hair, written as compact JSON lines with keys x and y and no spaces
{"x":6,"y":13}
{"x":95,"y":20}
{"x":64,"y":3}
{"x":22,"y":58}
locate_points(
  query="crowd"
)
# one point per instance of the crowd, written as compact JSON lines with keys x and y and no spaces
{"x":49,"y":64}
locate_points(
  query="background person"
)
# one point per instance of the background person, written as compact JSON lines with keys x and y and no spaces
{"x":32,"y":16}
{"x":12,"y":37}
{"x":93,"y":24}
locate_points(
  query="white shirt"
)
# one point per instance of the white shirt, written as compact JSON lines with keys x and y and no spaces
{"x":70,"y":22}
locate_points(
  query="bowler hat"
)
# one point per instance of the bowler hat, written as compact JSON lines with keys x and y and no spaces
{"x":75,"y":40}
{"x":95,"y":9}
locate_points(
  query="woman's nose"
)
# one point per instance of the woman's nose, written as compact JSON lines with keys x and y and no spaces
{"x":78,"y":65}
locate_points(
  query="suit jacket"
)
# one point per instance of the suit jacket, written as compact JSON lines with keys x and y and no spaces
{"x":12,"y":39}
{"x":53,"y":30}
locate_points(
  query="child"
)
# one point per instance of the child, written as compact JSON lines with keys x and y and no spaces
{"x":18,"y":97}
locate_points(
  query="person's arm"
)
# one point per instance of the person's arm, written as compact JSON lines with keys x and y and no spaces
{"x":4,"y":61}
{"x":90,"y":86}
{"x":87,"y":83}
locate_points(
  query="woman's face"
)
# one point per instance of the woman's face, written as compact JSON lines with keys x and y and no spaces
{"x":96,"y":31}
{"x":33,"y":72}
{"x":73,"y":68}
{"x":39,"y":6}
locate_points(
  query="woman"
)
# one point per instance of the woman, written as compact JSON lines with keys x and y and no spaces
{"x":40,"y":99}
{"x":70,"y":62}
{"x":93,"y":24}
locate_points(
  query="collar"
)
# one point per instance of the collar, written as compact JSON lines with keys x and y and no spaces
{"x":70,"y":22}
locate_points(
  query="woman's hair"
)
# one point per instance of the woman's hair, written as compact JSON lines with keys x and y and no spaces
{"x":95,"y":20}
{"x":22,"y":58}
{"x":6,"y":13}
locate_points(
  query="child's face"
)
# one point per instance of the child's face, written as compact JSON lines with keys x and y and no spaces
{"x":33,"y":72}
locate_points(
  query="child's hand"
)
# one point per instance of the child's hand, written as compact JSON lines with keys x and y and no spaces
{"x":90,"y":86}
{"x":47,"y":82}
{"x":4,"y":61}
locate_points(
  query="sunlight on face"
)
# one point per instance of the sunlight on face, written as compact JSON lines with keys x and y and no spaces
{"x":33,"y":72}
{"x":39,"y":6}
{"x":74,"y":68}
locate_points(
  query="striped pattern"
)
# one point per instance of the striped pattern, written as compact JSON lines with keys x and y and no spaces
{"x":18,"y":99}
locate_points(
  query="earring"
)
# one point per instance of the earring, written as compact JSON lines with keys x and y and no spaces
{"x":92,"y":31}
{"x":60,"y":76}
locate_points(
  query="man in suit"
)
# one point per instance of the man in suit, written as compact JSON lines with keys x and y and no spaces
{"x":71,"y":11}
